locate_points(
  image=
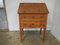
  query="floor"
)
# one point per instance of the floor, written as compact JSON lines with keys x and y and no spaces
{"x":30,"y":38}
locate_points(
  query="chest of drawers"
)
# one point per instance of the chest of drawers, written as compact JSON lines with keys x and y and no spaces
{"x":32,"y":15}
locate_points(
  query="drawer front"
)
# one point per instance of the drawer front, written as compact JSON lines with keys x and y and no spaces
{"x":33,"y":17}
{"x":30,"y":24}
{"x":33,"y":25}
{"x":33,"y":21}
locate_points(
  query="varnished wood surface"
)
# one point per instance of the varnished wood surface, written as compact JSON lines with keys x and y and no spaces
{"x":32,"y":8}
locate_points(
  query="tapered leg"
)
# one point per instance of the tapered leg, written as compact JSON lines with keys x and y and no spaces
{"x":44,"y":32}
{"x":40,"y":31}
{"x":21,"y":34}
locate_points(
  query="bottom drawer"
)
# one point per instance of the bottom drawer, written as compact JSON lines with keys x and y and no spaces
{"x":33,"y":25}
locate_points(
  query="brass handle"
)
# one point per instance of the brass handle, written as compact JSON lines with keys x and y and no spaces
{"x":24,"y":24}
{"x":41,"y":17}
{"x":32,"y":24}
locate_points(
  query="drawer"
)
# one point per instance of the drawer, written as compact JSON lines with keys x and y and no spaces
{"x":31,"y":20}
{"x":33,"y":17}
{"x":32,"y":24}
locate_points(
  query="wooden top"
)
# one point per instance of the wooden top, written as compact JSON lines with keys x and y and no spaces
{"x":32,"y":8}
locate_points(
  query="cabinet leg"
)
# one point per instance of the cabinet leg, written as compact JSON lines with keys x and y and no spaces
{"x":44,"y":32}
{"x":40,"y":31}
{"x":21,"y":34}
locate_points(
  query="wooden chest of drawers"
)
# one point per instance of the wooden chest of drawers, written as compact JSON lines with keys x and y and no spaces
{"x":32,"y":15}
{"x":33,"y":21}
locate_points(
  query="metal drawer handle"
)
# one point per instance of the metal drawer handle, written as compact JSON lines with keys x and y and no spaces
{"x":32,"y":24}
{"x":24,"y":24}
{"x":41,"y":17}
{"x":41,"y":24}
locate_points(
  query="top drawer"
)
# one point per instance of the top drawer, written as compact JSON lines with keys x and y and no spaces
{"x":34,"y":17}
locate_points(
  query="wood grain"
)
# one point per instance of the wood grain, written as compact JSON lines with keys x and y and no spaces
{"x":33,"y":8}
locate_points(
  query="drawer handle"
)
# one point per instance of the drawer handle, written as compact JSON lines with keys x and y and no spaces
{"x":41,"y":17}
{"x":41,"y":24}
{"x":32,"y":24}
{"x":24,"y":24}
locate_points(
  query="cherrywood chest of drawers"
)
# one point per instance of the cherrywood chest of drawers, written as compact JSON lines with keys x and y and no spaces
{"x":32,"y":15}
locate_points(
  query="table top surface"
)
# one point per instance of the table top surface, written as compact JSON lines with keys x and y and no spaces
{"x":32,"y":8}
